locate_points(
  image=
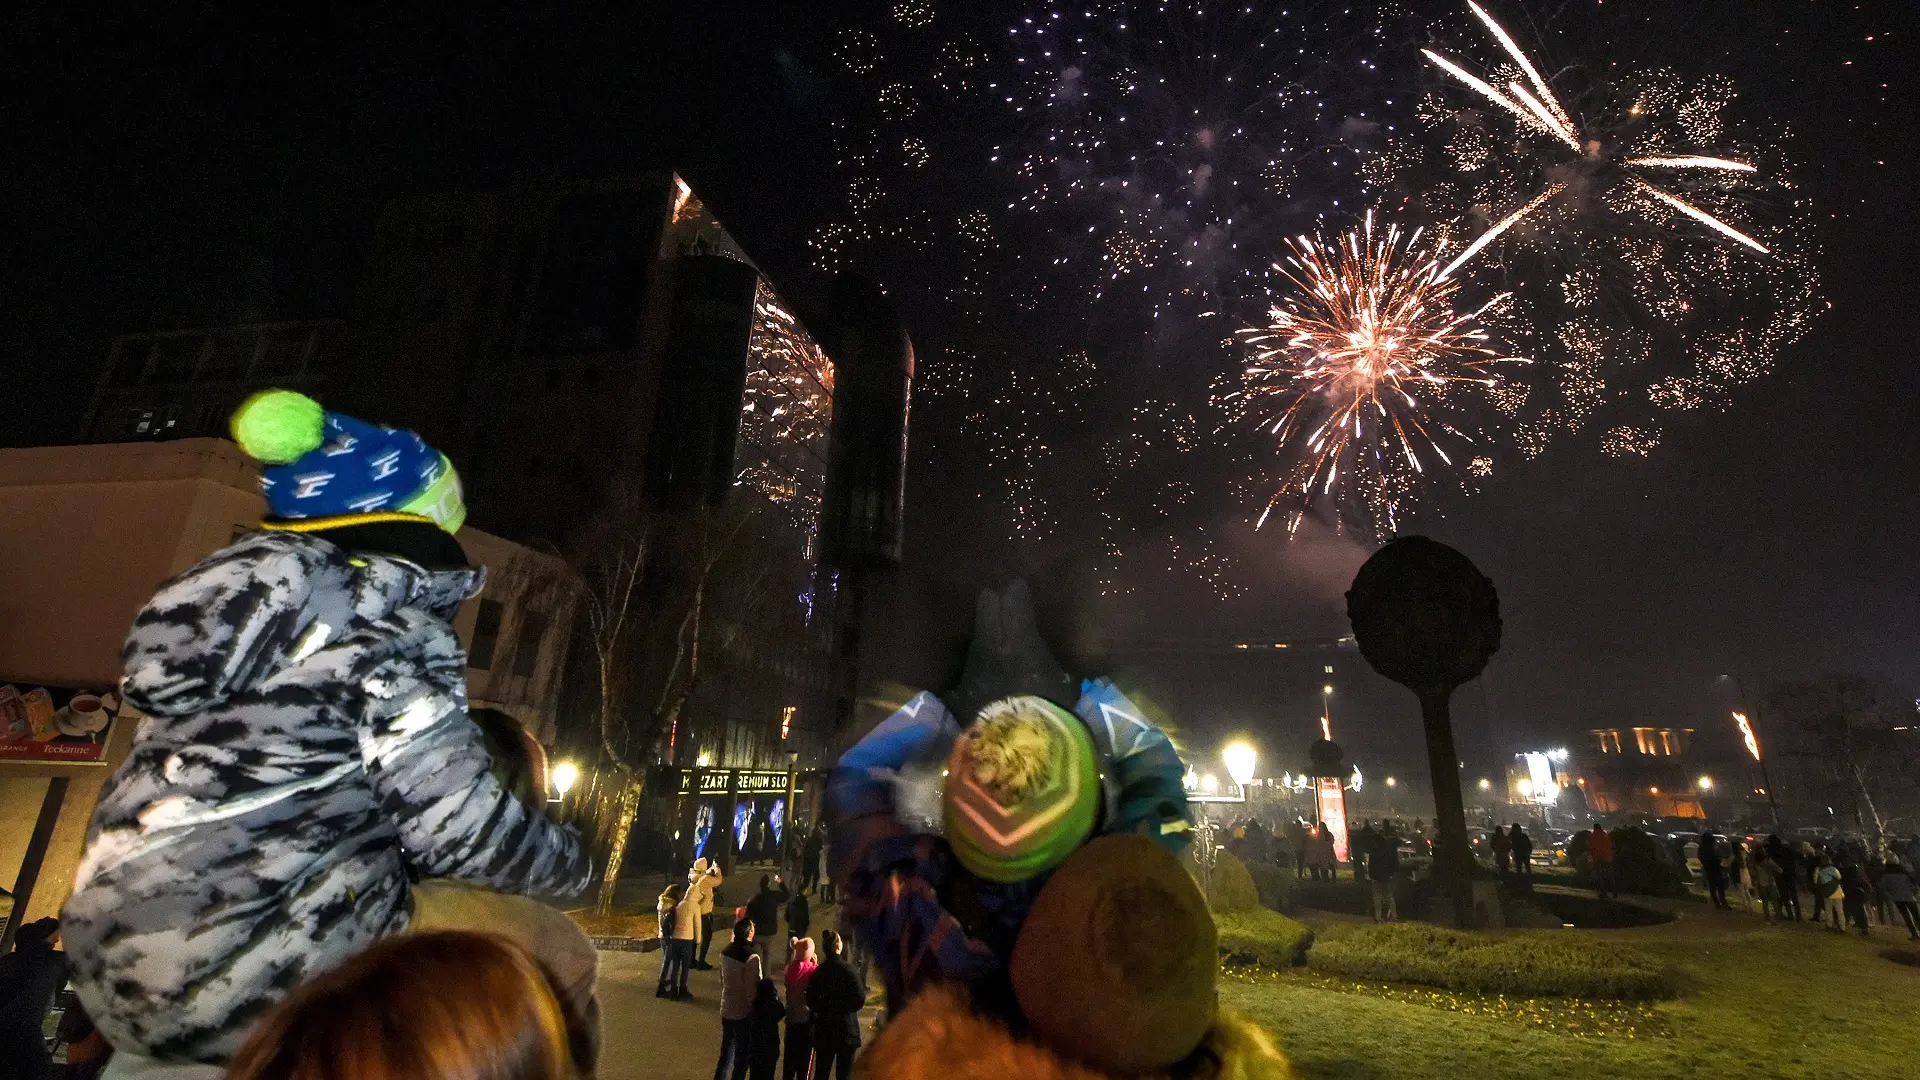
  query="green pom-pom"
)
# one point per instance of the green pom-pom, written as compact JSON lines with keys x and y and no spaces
{"x":279,"y":426}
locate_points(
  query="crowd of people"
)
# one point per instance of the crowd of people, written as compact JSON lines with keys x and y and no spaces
{"x":795,"y":1016}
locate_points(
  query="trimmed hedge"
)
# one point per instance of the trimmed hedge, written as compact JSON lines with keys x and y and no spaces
{"x":1274,"y":884}
{"x":1549,"y":963}
{"x":1263,"y":937}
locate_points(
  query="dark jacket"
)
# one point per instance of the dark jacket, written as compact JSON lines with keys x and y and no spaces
{"x":767,"y":1014}
{"x":835,"y":998}
{"x":764,"y":910}
{"x":29,"y":978}
{"x":799,"y":915}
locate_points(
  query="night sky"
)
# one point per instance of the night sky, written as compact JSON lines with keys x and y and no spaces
{"x":192,"y":170}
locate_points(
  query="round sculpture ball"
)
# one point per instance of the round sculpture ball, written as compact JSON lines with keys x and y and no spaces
{"x":1424,"y":615}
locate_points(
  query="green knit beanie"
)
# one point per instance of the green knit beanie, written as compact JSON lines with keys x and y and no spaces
{"x":1022,"y":789}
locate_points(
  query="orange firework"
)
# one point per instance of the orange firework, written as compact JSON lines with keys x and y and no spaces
{"x":1355,"y":361}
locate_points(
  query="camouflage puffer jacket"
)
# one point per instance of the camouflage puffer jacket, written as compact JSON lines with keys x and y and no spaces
{"x":306,"y":746}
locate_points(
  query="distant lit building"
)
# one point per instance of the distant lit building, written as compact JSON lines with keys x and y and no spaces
{"x":1639,"y":770}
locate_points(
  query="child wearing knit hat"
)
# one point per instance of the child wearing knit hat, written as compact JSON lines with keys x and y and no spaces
{"x":1039,"y":925}
{"x":306,"y":755}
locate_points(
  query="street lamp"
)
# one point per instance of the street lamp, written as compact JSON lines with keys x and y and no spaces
{"x":565,"y":775}
{"x":1486,"y":784}
{"x":1706,"y":783}
{"x":1241,"y":758}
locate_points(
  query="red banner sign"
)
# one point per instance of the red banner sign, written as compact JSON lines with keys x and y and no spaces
{"x":1332,"y":800}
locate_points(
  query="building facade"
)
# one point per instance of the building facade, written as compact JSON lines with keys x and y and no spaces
{"x":1648,"y":771}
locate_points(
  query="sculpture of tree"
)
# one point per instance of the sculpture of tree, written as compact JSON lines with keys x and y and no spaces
{"x":1426,"y":618}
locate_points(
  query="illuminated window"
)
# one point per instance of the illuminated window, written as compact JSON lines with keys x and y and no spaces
{"x":786,"y":416}
{"x":1644,"y":740}
{"x":1609,"y":739}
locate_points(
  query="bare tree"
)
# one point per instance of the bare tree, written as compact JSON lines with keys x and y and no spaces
{"x":664,"y":597}
{"x":1847,"y":736}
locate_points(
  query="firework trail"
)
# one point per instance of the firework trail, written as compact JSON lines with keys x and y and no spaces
{"x":1362,"y":366}
{"x":1656,"y":264}
{"x":1543,"y":112}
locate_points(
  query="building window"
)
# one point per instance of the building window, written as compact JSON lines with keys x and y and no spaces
{"x":1609,"y":740}
{"x":1643,"y":739}
{"x":526,"y":653}
{"x":230,"y":357}
{"x":283,"y":353}
{"x":129,"y":363}
{"x":175,"y":358}
{"x":486,"y":635}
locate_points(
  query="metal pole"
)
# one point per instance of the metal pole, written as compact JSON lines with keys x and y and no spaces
{"x":36,"y":854}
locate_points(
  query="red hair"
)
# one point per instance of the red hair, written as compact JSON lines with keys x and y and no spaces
{"x":447,"y":1005}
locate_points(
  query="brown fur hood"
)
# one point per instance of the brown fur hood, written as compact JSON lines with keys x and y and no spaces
{"x":941,"y":1037}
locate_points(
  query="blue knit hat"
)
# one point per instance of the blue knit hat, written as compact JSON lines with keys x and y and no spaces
{"x":323,"y":465}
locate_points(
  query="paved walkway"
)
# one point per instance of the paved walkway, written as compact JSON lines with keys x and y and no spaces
{"x":648,"y":1038}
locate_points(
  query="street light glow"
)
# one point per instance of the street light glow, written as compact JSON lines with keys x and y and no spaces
{"x":1391,"y":782}
{"x":1241,"y":758}
{"x":1706,"y":783}
{"x":1486,"y":784}
{"x":565,"y":775}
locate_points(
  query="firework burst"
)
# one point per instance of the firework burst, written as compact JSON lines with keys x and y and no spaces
{"x":1364,"y":367}
{"x":1657,"y":262}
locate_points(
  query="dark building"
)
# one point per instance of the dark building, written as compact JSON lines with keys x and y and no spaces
{"x":560,"y":342}
{"x":183,"y":384}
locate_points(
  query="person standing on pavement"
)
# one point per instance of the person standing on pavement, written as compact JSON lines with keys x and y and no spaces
{"x":767,"y":1014}
{"x":1600,"y":851}
{"x":702,"y":881}
{"x":1760,"y":881}
{"x":799,"y":919}
{"x":799,"y":973}
{"x":739,"y":985}
{"x":1713,"y":871}
{"x":1297,"y":843}
{"x":834,"y":998}
{"x":1502,"y":845}
{"x":1826,"y":890}
{"x":666,"y":911}
{"x":764,"y":910}
{"x":1522,"y":846}
{"x":1786,"y":876}
{"x":1855,"y":889}
{"x":686,"y":933}
{"x":810,"y":859}
{"x":1896,"y":884}
{"x":1383,"y":866}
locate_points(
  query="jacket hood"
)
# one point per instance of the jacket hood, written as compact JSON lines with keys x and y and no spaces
{"x":260,"y":606}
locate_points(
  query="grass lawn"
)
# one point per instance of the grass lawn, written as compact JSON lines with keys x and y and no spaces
{"x":1754,"y":1000}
